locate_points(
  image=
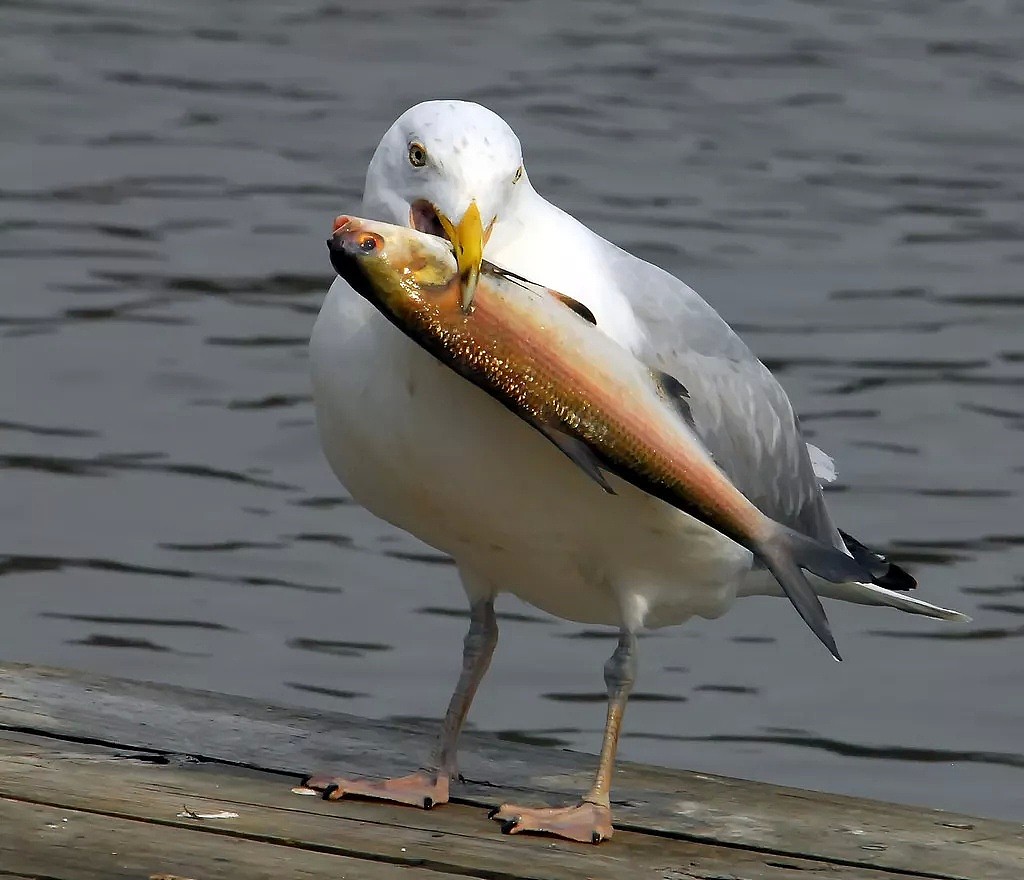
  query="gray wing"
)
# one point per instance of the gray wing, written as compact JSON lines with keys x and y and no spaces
{"x":740,"y":411}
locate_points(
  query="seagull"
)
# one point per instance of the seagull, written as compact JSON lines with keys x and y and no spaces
{"x":423,"y":449}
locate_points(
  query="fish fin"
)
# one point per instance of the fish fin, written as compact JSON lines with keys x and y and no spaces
{"x":494,"y":269}
{"x":677,"y":395}
{"x":565,"y":299}
{"x":508,"y":275}
{"x":576,"y":306}
{"x":790,"y":552}
{"x":579,"y":453}
{"x":884,"y":573}
{"x":824,"y":560}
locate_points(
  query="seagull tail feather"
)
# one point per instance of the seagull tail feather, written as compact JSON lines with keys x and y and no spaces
{"x":872,"y":594}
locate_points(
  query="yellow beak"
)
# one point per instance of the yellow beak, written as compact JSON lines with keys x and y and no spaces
{"x":468,"y":239}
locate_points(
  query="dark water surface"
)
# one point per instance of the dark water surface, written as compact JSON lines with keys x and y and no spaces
{"x":845,"y":182}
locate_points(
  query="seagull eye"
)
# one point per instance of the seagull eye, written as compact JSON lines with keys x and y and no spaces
{"x":417,"y":155}
{"x":519,"y":173}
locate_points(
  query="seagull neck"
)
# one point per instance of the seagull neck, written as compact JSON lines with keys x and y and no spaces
{"x":525,"y":198}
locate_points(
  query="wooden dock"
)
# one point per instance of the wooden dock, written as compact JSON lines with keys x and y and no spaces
{"x":102,"y":779}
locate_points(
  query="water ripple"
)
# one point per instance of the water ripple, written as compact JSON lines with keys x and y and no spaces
{"x":854,"y":750}
{"x":337,"y":648}
{"x":602,"y":697}
{"x":47,"y":431}
{"x":970,"y":635}
{"x":103,"y":641}
{"x":28,"y":564}
{"x":322,"y":691}
{"x":107,"y":463}
{"x":118,"y":620}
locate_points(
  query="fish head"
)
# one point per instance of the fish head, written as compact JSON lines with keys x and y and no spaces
{"x":391,"y":266}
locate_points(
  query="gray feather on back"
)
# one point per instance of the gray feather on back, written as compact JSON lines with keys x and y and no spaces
{"x":740,"y":412}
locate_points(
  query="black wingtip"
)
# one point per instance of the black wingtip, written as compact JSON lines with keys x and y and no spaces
{"x":898,"y":579}
{"x":883,"y":572}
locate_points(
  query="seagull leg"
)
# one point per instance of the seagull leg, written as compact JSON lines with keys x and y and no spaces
{"x":429,"y":787}
{"x":589,"y":821}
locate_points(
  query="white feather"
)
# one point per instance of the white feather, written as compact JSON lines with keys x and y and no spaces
{"x":872,"y":594}
{"x":823,"y":463}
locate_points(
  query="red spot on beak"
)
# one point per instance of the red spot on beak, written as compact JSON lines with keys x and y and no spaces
{"x":341,"y":221}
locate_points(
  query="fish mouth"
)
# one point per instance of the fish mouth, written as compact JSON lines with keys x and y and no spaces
{"x":348,"y":245}
{"x":424,"y":216}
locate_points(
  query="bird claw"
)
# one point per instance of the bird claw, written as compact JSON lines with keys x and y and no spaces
{"x":422,"y":789}
{"x":585,"y":822}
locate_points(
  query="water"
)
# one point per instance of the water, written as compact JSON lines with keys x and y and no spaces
{"x":844,"y":184}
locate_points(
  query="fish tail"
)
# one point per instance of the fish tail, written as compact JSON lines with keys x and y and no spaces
{"x":786,"y":553}
{"x":829,"y":562}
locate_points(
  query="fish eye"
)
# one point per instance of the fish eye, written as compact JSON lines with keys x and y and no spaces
{"x":519,"y":173}
{"x":417,"y":154}
{"x":369,"y":242}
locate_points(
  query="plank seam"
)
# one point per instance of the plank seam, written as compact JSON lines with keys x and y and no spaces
{"x":4,"y":873}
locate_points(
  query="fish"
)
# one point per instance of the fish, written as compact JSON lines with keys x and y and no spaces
{"x":541,"y":355}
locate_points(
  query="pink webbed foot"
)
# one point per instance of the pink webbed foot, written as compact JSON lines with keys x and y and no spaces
{"x":419,"y":789}
{"x":585,"y":822}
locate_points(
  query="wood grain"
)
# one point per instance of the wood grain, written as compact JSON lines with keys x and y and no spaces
{"x":122,"y":752}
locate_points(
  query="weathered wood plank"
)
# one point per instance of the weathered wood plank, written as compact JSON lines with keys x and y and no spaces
{"x":457,"y":838}
{"x":763,"y":818}
{"x":61,"y":844}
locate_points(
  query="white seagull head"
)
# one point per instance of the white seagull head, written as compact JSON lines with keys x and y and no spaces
{"x":449,"y":168}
